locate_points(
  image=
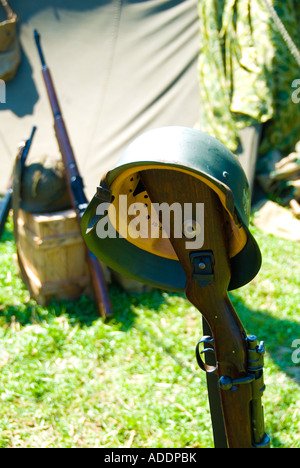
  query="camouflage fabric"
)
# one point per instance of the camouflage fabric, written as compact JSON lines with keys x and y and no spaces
{"x":246,"y":71}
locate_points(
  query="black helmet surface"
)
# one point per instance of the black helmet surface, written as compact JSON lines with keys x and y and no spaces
{"x":153,"y":261}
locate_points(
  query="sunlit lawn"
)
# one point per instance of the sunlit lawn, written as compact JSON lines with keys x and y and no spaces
{"x":67,"y":379}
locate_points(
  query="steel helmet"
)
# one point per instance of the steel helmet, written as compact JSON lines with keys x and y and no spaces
{"x":149,"y":261}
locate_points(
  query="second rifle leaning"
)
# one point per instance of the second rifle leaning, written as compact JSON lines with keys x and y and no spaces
{"x":75,"y":184}
{"x":6,"y":203}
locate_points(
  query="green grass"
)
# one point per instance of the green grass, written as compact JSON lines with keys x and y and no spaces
{"x":67,"y":379}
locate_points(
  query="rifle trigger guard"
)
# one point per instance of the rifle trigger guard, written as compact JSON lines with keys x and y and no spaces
{"x":205,"y":367}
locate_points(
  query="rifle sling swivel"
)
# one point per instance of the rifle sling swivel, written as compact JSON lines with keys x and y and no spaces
{"x":203,"y":267}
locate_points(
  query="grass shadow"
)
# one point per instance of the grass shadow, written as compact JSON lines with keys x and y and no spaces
{"x":7,"y":236}
{"x":277,"y":333}
{"x":82,"y":312}
{"x":125,"y":303}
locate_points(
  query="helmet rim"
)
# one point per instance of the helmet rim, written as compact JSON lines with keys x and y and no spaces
{"x":154,"y":148}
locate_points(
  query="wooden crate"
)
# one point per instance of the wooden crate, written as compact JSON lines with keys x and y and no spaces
{"x":52,"y":251}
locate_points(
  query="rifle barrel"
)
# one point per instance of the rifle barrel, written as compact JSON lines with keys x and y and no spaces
{"x":74,"y":182}
{"x":27,"y":146}
{"x":37,"y":38}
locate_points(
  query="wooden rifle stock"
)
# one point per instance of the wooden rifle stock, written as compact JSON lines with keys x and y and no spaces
{"x":75,"y":185}
{"x":208,"y":276}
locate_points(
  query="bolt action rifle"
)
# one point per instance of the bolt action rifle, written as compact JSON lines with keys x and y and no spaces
{"x":6,"y":203}
{"x":235,"y":373}
{"x":75,"y":184}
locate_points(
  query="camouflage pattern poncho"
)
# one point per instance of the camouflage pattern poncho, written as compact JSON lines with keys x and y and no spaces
{"x":246,"y":71}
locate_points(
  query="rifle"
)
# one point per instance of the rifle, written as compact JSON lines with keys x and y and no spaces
{"x":6,"y":203}
{"x":74,"y":183}
{"x":238,"y":368}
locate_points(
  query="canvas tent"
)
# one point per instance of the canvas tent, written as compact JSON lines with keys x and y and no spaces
{"x":120,"y":68}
